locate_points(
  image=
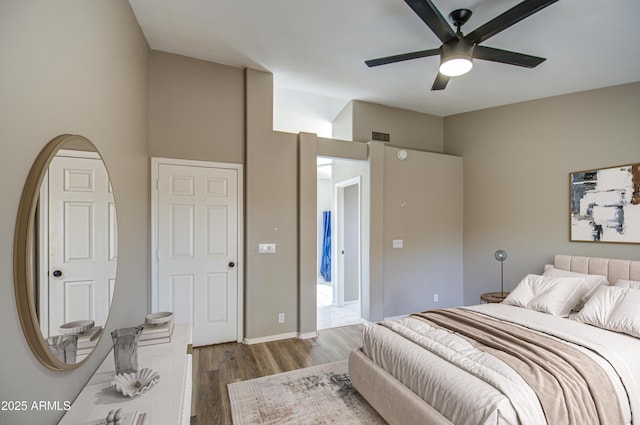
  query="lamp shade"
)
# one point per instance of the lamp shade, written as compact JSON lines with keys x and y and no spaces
{"x":456,"y":57}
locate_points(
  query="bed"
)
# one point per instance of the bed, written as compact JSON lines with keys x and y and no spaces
{"x":504,"y":364}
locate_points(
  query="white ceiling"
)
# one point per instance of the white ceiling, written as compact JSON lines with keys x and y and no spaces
{"x":316,"y":49}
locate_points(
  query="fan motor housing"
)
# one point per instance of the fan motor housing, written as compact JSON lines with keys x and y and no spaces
{"x":457,"y":48}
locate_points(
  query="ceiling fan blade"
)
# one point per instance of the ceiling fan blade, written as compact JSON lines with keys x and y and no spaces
{"x":403,"y":57}
{"x":432,"y":17}
{"x":505,"y":56}
{"x":440,"y":82}
{"x":507,"y":19}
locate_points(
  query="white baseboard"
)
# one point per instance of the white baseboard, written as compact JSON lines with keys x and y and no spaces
{"x":307,"y":335}
{"x":366,"y":322}
{"x":270,"y":338}
{"x":396,"y":317}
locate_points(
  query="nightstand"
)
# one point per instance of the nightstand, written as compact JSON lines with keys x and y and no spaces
{"x":494,"y":297}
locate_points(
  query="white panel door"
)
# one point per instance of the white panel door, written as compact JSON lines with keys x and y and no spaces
{"x":82,"y":241}
{"x":198,"y":249}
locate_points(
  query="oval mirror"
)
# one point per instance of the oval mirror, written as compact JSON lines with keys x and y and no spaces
{"x":65,"y":252}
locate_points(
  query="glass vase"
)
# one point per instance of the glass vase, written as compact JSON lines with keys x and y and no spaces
{"x":64,"y":347}
{"x":125,"y":349}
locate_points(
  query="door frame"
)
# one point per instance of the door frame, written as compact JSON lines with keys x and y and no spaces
{"x":337,"y":269}
{"x":155,"y":167}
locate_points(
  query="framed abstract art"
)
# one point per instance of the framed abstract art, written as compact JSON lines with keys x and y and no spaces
{"x":605,"y":204}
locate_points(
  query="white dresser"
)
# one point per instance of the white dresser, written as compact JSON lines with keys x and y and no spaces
{"x":168,"y":402}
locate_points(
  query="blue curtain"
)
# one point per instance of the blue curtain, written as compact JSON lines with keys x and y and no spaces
{"x":325,"y":264}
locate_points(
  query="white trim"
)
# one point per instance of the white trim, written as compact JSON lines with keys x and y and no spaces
{"x":155,"y":166}
{"x":308,"y":335}
{"x":270,"y":338}
{"x":396,"y":317}
{"x":366,"y":322}
{"x":188,"y":390}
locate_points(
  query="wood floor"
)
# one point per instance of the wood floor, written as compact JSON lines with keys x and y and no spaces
{"x":215,"y":366}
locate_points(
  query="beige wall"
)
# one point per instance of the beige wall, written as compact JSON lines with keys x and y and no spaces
{"x":307,"y":237}
{"x":376,"y":233}
{"x":342,"y":125}
{"x":71,"y":66}
{"x":516,"y":164}
{"x":408,"y":129}
{"x":196,"y":109}
{"x":422,"y":207}
{"x":271,"y":207}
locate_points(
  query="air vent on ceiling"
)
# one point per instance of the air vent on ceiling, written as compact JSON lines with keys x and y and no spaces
{"x":382,"y":137}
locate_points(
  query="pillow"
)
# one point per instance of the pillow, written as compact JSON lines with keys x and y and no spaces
{"x":593,"y":281}
{"x":613,"y":308}
{"x":623,"y":283}
{"x":552,"y":295}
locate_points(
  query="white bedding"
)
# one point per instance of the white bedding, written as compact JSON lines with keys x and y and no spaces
{"x":472,"y":387}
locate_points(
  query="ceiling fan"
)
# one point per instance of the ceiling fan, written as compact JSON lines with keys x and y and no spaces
{"x":458,"y":50}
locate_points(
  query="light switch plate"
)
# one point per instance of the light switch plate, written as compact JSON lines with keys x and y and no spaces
{"x":266,"y":248}
{"x":398,"y":243}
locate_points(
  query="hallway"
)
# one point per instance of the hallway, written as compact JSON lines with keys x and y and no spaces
{"x":332,"y":316}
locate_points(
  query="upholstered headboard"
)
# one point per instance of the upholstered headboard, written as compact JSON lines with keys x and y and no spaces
{"x":613,"y":269}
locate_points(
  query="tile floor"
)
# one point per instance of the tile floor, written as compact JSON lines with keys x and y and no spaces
{"x":331,"y":316}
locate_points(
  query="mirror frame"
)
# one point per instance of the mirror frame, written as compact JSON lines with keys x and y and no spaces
{"x":23,"y":254}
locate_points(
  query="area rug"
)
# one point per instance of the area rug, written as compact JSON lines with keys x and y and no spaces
{"x":314,"y":395}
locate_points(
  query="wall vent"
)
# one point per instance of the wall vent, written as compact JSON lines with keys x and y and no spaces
{"x":381,"y":137}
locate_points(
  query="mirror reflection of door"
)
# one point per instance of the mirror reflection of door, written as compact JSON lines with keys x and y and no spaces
{"x":79,"y":250}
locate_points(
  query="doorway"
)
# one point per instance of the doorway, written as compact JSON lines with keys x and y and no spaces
{"x":339,"y":247}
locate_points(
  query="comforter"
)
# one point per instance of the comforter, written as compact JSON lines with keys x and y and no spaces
{"x":464,"y":374}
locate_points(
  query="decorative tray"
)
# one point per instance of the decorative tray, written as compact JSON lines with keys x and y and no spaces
{"x":132,"y":384}
{"x":158,"y":318}
{"x":77,"y":327}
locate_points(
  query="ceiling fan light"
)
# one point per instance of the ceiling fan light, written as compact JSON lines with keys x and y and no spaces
{"x":455,"y":58}
{"x":456,"y":66}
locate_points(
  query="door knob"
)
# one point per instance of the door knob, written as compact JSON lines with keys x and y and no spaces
{"x":231,"y":264}
{"x":57,"y":273}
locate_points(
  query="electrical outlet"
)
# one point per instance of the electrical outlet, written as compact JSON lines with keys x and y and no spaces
{"x":281,"y":318}
{"x":435,"y":298}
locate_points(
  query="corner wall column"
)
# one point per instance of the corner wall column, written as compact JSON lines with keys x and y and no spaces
{"x":307,"y":229}
{"x":375,"y":302}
